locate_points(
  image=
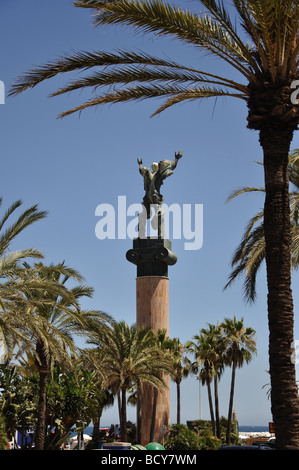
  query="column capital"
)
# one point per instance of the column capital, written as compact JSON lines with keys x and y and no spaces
{"x":152,"y":256}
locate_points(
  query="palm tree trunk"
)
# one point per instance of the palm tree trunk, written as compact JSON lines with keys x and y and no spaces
{"x":178,"y":404}
{"x":41,"y":413}
{"x":218,"y":431}
{"x":96,"y":428}
{"x":119,"y":408}
{"x":153,"y":422}
{"x":41,"y":420}
{"x":230,"y":407}
{"x":139,"y":415}
{"x":123,"y":429}
{"x":284,"y":394}
{"x":211,"y":407}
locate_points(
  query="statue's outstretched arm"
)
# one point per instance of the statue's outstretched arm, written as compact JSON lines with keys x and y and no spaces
{"x":177,"y":156}
{"x":141,"y":168}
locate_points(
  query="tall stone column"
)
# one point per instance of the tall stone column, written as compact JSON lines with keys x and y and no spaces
{"x":152,"y":256}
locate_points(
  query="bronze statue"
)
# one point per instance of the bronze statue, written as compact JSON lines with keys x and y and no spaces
{"x":153,"y":180}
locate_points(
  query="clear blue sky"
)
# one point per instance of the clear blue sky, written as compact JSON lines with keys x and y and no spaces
{"x":70,"y":166}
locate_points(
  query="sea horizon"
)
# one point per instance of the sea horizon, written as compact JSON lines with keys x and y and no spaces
{"x":251,"y":428}
{"x":242,"y":428}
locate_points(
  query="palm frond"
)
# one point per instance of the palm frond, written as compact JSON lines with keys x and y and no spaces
{"x":9,"y":261}
{"x":139,"y":93}
{"x":218,"y":10}
{"x":190,"y":94}
{"x":272,"y":25}
{"x":200,"y":30}
{"x":27,"y":218}
{"x":9,"y":212}
{"x":164,"y":19}
{"x":246,"y":189}
{"x":83,"y":60}
{"x":57,"y":272}
{"x":143,"y":73}
{"x":250,"y":253}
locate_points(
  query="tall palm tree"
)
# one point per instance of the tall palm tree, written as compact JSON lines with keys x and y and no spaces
{"x":267,"y":66}
{"x":54,"y":315}
{"x":130,"y":358}
{"x":240,"y":347}
{"x":181,"y":370}
{"x":163,"y":343}
{"x":251,"y":252}
{"x":213,"y":337}
{"x":208,"y":350}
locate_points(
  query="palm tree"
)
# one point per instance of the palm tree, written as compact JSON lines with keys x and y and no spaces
{"x":206,"y":378}
{"x":240,"y":346}
{"x":207,"y":348}
{"x":53,"y":317}
{"x":267,"y":66}
{"x":214,"y":340}
{"x":250,"y":254}
{"x":130,"y":357}
{"x":163,"y":343}
{"x":181,"y":370}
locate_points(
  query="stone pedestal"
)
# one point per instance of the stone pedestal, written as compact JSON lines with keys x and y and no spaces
{"x":152,"y":258}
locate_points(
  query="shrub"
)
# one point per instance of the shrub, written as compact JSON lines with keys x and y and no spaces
{"x":183,"y":438}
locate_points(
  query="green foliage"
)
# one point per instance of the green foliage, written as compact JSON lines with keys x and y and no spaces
{"x":234,"y":431}
{"x":18,"y":398}
{"x":129,"y":357}
{"x":203,"y":428}
{"x":3,"y":436}
{"x":183,"y":438}
{"x":72,"y":398}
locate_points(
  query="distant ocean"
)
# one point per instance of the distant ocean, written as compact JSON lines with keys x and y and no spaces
{"x":89,"y":429}
{"x":253,"y":428}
